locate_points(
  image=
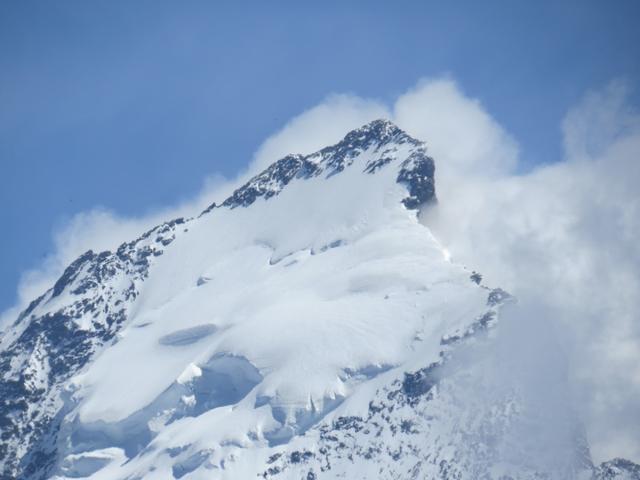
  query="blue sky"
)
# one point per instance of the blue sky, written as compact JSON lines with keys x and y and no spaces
{"x":131,"y":105}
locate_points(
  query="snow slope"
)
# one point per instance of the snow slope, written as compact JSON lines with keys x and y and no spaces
{"x":304,"y":328}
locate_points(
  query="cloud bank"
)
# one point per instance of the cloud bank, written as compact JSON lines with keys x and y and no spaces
{"x":562,"y":237}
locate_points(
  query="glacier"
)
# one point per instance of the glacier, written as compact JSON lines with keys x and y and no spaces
{"x":309,"y":326}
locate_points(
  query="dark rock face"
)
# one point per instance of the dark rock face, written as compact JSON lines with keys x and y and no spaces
{"x":417,"y":174}
{"x":58,"y":335}
{"x":475,"y":277}
{"x":617,"y":469}
{"x":271,"y":181}
{"x":497,"y":296}
{"x":416,"y":384}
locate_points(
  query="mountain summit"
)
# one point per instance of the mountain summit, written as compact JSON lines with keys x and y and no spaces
{"x":380,"y":138}
{"x":306,"y":327}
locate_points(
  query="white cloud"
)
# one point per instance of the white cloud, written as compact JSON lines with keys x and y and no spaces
{"x":563,"y":236}
{"x":598,"y":121}
{"x":460,"y":134}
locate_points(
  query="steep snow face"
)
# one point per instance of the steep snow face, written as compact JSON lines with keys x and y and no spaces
{"x":303,"y":328}
{"x":306,"y":292}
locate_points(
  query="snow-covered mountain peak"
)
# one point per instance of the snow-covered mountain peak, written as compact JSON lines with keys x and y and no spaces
{"x":379,"y":132}
{"x":302,"y":328}
{"x":380,"y":140}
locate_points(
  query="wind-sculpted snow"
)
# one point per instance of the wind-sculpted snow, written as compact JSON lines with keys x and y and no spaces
{"x":188,"y":335}
{"x":308,"y":326}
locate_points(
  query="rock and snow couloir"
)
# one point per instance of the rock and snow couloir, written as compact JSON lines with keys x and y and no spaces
{"x":307,"y":327}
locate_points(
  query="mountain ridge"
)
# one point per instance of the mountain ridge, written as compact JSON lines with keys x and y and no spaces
{"x":333,"y":159}
{"x":322,"y":316}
